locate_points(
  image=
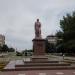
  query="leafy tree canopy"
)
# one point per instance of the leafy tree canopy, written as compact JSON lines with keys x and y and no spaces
{"x":67,"y":25}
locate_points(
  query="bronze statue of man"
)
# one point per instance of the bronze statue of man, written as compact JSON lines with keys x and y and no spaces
{"x":37,"y":29}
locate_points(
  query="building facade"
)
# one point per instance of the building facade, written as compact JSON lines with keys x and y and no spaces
{"x":52,"y":39}
{"x":2,"y":40}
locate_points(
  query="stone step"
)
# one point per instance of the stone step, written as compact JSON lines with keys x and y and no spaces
{"x":41,"y":61}
{"x":45,"y":68}
{"x":42,"y":68}
{"x":43,"y":64}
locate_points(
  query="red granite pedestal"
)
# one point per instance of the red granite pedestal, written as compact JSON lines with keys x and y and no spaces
{"x":39,"y":46}
{"x":39,"y":50}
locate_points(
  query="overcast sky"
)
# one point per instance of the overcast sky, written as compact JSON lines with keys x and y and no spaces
{"x":17,"y":19}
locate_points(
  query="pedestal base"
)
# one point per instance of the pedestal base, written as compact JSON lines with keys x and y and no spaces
{"x":38,"y":46}
{"x":39,"y":58}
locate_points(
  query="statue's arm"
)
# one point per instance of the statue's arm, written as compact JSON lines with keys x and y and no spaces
{"x":40,"y":25}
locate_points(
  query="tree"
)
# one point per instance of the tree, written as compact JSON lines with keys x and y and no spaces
{"x":67,"y":25}
{"x":11,"y":50}
{"x":59,"y":34}
{"x":60,"y":45}
{"x":5,"y":48}
{"x":50,"y":47}
{"x":0,"y":48}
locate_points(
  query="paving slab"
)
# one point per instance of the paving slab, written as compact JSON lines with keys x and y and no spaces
{"x":42,"y":74}
{"x":10,"y":65}
{"x":26,"y":59}
{"x":22,"y":74}
{"x":19,"y":62}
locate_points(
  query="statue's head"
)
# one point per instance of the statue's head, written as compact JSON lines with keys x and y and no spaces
{"x":37,"y":20}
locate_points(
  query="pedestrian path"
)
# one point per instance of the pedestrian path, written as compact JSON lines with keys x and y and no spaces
{"x":11,"y":65}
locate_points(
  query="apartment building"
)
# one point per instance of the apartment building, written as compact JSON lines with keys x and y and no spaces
{"x":2,"y":40}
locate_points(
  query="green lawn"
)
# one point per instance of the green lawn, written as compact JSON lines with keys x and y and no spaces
{"x":11,"y":56}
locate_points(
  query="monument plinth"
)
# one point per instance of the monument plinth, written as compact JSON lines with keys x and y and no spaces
{"x":39,"y":46}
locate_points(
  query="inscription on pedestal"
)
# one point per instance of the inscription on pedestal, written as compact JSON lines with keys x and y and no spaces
{"x":39,"y":46}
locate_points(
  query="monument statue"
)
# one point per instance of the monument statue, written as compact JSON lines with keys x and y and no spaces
{"x":37,"y":29}
{"x":38,"y":41}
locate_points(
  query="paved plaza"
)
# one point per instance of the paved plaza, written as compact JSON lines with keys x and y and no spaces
{"x":40,"y":72}
{"x":36,"y":72}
